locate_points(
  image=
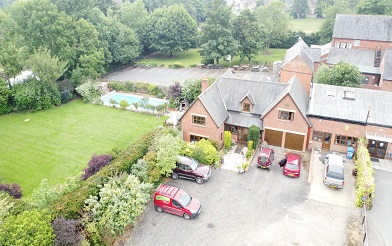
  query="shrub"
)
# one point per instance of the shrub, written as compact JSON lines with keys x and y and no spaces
{"x":113,"y":102}
{"x":120,"y":202}
{"x":167,"y":148}
{"x":5,"y":206}
{"x":5,"y":98}
{"x":27,"y":228}
{"x":193,"y":65}
{"x":124,"y":104}
{"x":227,"y":139}
{"x":205,"y":152}
{"x":177,"y":65}
{"x":95,"y":164}
{"x":249,"y":153}
{"x":254,"y":135}
{"x":187,"y":149}
{"x":140,"y":170}
{"x":250,"y":145}
{"x":89,"y":91}
{"x":66,"y":232}
{"x":214,"y":143}
{"x":66,"y":90}
{"x":12,"y":189}
{"x":153,"y":171}
{"x":174,"y":90}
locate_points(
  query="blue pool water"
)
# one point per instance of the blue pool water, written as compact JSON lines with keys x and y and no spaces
{"x":130,"y":98}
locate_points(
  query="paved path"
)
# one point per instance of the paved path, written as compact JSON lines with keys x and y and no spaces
{"x":382,"y":164}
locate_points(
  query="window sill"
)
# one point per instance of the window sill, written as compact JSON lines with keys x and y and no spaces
{"x":193,"y":124}
{"x":285,"y":120}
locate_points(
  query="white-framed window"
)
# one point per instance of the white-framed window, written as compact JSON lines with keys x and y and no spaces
{"x":343,"y":45}
{"x":349,"y":46}
{"x":286,"y":115}
{"x":357,"y":42}
{"x":337,"y":45}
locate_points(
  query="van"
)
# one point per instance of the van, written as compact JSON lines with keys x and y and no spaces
{"x":173,"y":200}
{"x":266,"y":156}
{"x":334,"y":171}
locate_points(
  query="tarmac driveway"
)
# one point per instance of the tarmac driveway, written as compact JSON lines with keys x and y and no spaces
{"x":256,"y":208}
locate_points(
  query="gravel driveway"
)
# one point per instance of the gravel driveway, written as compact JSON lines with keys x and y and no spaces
{"x":256,"y":208}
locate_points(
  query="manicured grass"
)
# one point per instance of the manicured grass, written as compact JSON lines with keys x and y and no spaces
{"x":307,"y":25}
{"x":193,"y":57}
{"x":58,"y":143}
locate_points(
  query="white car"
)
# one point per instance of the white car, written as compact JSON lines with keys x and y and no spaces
{"x":334,"y":171}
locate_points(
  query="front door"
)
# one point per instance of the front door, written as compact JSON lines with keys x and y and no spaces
{"x":326,"y":140}
{"x":377,"y":148}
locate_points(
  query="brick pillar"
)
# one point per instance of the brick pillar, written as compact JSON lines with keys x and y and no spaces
{"x":204,"y":84}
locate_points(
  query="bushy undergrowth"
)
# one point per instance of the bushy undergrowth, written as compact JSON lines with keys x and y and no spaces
{"x":138,"y":87}
{"x":95,"y":164}
{"x":12,"y":189}
{"x":66,"y":232}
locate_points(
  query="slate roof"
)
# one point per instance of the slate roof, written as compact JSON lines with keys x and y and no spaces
{"x":336,"y":107}
{"x":302,"y":49}
{"x":363,"y":27}
{"x":214,"y":104}
{"x":243,"y":119}
{"x":363,"y":59}
{"x":297,"y":93}
{"x":249,"y":95}
{"x":387,"y":74}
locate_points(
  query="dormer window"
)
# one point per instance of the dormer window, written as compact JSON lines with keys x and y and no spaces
{"x":246,"y":107}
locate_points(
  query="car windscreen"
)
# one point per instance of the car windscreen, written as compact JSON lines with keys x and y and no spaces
{"x":335,"y":175}
{"x":185,"y":199}
{"x":291,"y":166}
{"x":263,"y":158}
{"x":194,"y":165}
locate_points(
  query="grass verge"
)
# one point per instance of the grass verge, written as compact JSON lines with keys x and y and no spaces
{"x":57,"y":143}
{"x":306,"y":25}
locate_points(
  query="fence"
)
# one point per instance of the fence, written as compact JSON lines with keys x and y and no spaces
{"x":365,"y":241}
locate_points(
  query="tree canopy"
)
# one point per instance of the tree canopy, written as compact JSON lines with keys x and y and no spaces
{"x":216,"y":37}
{"x":374,"y":7}
{"x":299,"y":9}
{"x":342,"y":74}
{"x":171,"y":30}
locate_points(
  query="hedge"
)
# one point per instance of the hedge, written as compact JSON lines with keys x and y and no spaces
{"x":71,"y":204}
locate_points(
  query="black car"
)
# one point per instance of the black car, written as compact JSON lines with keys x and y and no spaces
{"x":189,"y":168}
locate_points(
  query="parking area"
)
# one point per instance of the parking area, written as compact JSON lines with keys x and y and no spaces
{"x":165,"y":76}
{"x":259,"y":207}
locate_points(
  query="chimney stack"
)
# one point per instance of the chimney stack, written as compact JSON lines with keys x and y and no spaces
{"x":204,"y":84}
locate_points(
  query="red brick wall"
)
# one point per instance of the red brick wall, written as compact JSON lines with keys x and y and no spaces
{"x":386,"y":85}
{"x":209,"y":130}
{"x":246,"y":100}
{"x":364,"y":44}
{"x":298,"y":68}
{"x":298,"y":126}
{"x":346,"y":129}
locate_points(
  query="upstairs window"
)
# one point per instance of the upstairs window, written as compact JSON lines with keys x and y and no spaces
{"x":286,"y":115}
{"x":246,"y":107}
{"x":198,"y":120}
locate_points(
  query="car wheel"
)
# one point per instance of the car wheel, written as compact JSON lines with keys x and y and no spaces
{"x":159,"y":209}
{"x":174,"y":175}
{"x":186,"y":216}
{"x":199,"y":180}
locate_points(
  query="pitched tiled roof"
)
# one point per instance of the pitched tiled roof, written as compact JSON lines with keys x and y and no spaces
{"x":297,"y":93}
{"x":243,"y":119}
{"x":214,"y":104}
{"x":377,"y":103}
{"x":249,"y":96}
{"x":363,"y":59}
{"x":302,"y":49}
{"x":387,"y":74}
{"x":363,"y":27}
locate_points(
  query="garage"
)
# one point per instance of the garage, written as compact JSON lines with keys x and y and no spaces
{"x":294,"y":141}
{"x":273,"y":137}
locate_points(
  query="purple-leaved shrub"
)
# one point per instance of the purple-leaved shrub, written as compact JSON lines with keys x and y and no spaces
{"x":95,"y":164}
{"x":12,"y":189}
{"x":67,"y":232}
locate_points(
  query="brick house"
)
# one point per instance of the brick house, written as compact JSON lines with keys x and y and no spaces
{"x":279,"y":109}
{"x":340,"y":115}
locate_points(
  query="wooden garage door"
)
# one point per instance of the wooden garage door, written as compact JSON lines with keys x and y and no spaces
{"x":294,"y":141}
{"x":273,"y":137}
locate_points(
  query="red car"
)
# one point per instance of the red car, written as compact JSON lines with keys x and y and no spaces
{"x":292,"y":167}
{"x":188,"y":168}
{"x":173,"y":200}
{"x":265,"y":158}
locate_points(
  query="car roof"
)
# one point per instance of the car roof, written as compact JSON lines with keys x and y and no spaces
{"x":336,"y":168}
{"x":265,"y":151}
{"x":335,"y":159}
{"x":185,"y":159}
{"x":293,"y":158}
{"x":168,"y":190}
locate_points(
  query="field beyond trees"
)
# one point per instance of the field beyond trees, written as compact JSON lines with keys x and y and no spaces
{"x":192,"y":57}
{"x":306,"y":25}
{"x":58,"y":143}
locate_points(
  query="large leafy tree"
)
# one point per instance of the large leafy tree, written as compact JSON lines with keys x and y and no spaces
{"x":321,"y":6}
{"x":342,"y":74}
{"x":326,"y":30}
{"x":171,"y":30}
{"x":216,"y":37}
{"x":11,"y":49}
{"x":274,"y":20}
{"x":167,"y":147}
{"x":374,"y":7}
{"x":248,"y":33}
{"x":299,"y":9}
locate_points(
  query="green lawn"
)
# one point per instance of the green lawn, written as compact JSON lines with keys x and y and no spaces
{"x":193,"y":57}
{"x":57,"y":143}
{"x":307,"y":25}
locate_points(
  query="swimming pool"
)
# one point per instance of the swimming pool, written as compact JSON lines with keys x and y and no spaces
{"x":130,"y":98}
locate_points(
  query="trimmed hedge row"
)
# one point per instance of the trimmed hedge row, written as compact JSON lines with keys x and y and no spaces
{"x":71,"y":204}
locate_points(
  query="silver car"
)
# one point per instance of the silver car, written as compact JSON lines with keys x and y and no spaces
{"x":334,"y":171}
